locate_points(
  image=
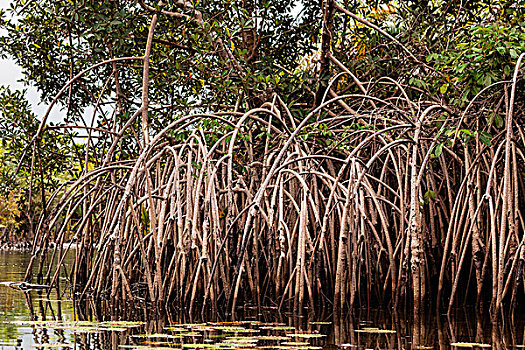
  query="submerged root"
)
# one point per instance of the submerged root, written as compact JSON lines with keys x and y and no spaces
{"x":363,"y":200}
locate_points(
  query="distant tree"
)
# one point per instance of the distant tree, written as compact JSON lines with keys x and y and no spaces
{"x":25,"y":186}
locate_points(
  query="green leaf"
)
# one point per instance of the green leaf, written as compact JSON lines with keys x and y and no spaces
{"x":485,"y":137}
{"x":443,"y":89}
{"x":498,"y":121}
{"x":429,"y":195}
{"x":486,"y":134}
{"x":487,"y":80}
{"x":431,"y":57}
{"x":438,"y":150}
{"x":485,"y":140}
{"x":461,"y":68}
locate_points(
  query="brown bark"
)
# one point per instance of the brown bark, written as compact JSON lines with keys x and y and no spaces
{"x":326,"y":43}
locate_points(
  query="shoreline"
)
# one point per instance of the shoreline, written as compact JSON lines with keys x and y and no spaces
{"x":18,"y":246}
{"x":27,"y":246}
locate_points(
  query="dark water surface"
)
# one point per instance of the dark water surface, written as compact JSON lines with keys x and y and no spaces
{"x":36,"y":320}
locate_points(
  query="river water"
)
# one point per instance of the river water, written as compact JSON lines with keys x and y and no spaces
{"x":36,"y":320}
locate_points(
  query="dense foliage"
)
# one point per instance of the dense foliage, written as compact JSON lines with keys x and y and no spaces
{"x":255,"y":48}
{"x":24,"y":185}
{"x":54,"y":40}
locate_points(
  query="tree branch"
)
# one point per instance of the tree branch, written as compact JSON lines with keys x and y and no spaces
{"x":145,"y":78}
{"x":222,"y":50}
{"x":376,"y":28}
{"x":326,"y":41}
{"x":168,"y":13}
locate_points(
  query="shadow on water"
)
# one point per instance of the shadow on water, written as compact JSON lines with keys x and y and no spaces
{"x":39,"y":319}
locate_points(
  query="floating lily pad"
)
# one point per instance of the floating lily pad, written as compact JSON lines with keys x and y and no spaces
{"x":321,"y":322}
{"x":203,"y":329}
{"x":160,"y":343}
{"x":217,"y":336}
{"x":237,"y":345}
{"x":242,"y":339}
{"x":298,"y":347}
{"x":231,"y":323}
{"x":257,"y":323}
{"x":374,"y":330}
{"x":470,"y":345}
{"x":227,"y":328}
{"x":278,"y":328}
{"x":272,"y":337}
{"x":233,"y":329}
{"x":79,"y":329}
{"x":306,"y":335}
{"x":175,"y":329}
{"x":145,"y":347}
{"x":190,"y":325}
{"x":127,"y":324}
{"x":34,"y":323}
{"x":201,"y":346}
{"x":158,"y":335}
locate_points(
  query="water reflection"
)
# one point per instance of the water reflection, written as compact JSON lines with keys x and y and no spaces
{"x":365,"y":329}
